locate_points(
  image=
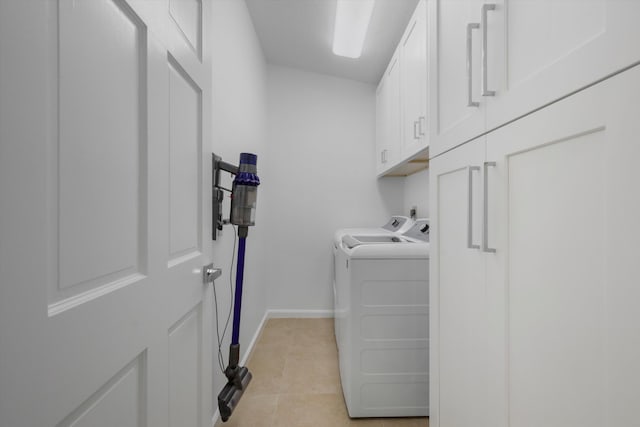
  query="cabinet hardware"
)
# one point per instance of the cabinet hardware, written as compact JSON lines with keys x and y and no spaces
{"x":485,"y":229}
{"x":421,"y":120}
{"x":470,"y":101}
{"x":415,"y":130}
{"x":483,"y":24}
{"x":470,"y":244}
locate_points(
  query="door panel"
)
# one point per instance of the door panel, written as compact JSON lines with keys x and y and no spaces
{"x":457,"y":290}
{"x":121,"y":401}
{"x":394,"y":111}
{"x":551,"y":269}
{"x":104,"y":319}
{"x":540,"y":51}
{"x":381,"y":125}
{"x":548,"y":32}
{"x":185,"y":162}
{"x":98,"y":148}
{"x":453,"y":121}
{"x":185,"y":348}
{"x":414,"y":91}
{"x":187,"y":15}
{"x":559,"y":310}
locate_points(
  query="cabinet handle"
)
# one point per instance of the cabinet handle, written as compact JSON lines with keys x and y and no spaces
{"x":483,"y":24}
{"x":470,"y":244}
{"x":470,"y":101}
{"x":415,"y":130}
{"x":383,"y":156}
{"x":421,"y":120}
{"x":485,"y":230}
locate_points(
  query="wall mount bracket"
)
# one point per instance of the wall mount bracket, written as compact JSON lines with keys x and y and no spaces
{"x":218,"y":192}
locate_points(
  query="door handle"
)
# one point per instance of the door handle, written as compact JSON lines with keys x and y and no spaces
{"x":470,"y":101}
{"x":484,"y":71}
{"x":485,"y":227}
{"x":470,"y":244}
{"x":209,"y":273}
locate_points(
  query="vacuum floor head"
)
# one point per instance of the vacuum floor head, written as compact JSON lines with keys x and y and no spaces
{"x":232,"y":392}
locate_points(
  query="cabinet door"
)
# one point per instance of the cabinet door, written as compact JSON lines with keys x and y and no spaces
{"x":381,"y":126}
{"x":541,"y":50}
{"x":456,"y":108}
{"x":392,"y":115}
{"x":414,"y":83}
{"x":562,"y":288}
{"x":457,"y":290}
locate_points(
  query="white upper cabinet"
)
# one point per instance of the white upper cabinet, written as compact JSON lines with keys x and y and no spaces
{"x":457,"y":115}
{"x":541,"y":50}
{"x":401,"y":103}
{"x":381,"y":125}
{"x":414,"y":83}
{"x":496,"y":61}
{"x":388,"y":117}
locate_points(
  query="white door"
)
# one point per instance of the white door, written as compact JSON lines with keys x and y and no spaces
{"x":563,"y":284}
{"x":414,"y":83}
{"x":456,"y":109}
{"x":104,"y":320}
{"x":541,"y":50}
{"x":457,"y":290}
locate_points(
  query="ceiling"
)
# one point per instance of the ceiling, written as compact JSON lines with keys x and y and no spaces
{"x":299,"y":34}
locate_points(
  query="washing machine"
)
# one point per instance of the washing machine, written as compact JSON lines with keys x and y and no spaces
{"x":382,"y":322}
{"x":396,"y":224}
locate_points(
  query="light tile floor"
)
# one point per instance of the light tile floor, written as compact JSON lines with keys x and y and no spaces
{"x":296,"y":381}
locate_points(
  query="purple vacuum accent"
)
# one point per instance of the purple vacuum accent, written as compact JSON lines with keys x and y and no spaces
{"x":248,"y":158}
{"x":237,"y":306}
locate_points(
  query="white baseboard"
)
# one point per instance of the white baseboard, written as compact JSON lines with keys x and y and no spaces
{"x":254,"y":339}
{"x":280,"y":314}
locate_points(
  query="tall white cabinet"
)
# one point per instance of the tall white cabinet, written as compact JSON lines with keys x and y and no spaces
{"x":457,"y":300}
{"x":534,"y":268}
{"x":534,"y":209}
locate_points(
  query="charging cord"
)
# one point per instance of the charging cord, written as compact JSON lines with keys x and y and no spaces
{"x":215,"y":299}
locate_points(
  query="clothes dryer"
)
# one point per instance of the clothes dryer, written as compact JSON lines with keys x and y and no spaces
{"x":382,"y":322}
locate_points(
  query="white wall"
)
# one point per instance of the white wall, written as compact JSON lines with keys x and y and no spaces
{"x":416,"y":193}
{"x":239,"y":124}
{"x":317,"y":171}
{"x":321,"y":134}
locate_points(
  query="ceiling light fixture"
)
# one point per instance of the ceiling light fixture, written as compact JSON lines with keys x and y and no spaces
{"x":352,"y":22}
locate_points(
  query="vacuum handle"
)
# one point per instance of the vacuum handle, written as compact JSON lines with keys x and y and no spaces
{"x":237,"y":301}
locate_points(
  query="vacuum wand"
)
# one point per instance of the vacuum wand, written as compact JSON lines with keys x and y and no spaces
{"x":243,"y":204}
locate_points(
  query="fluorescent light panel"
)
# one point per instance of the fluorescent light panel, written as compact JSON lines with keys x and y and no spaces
{"x":352,"y":23}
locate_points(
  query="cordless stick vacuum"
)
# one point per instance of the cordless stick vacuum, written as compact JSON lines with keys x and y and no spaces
{"x":243,"y":205}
